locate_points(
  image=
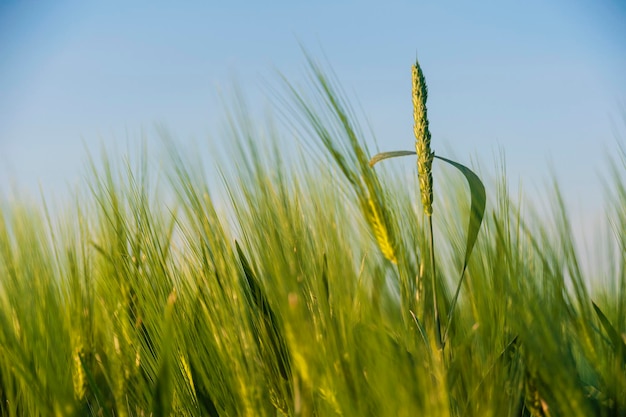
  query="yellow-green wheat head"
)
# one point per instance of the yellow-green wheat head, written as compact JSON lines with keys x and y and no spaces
{"x":381,"y":233}
{"x":422,"y":139}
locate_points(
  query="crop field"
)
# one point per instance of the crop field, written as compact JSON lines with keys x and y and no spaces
{"x":318,"y":282}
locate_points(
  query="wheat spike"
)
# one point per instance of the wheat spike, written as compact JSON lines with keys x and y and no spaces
{"x":380,"y":231}
{"x":78,"y":373}
{"x":422,"y":139}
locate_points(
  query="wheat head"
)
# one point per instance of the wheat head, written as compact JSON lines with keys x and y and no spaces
{"x":383,"y":238}
{"x":422,"y":139}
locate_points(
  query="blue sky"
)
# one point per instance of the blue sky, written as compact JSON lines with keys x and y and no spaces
{"x":540,"y":80}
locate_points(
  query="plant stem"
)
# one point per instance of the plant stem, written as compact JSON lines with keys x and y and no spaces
{"x":434,"y":284}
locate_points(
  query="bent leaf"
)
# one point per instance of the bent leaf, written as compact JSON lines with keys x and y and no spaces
{"x":477,"y":208}
{"x":386,"y":155}
{"x":477,"y":191}
{"x":477,"y":211}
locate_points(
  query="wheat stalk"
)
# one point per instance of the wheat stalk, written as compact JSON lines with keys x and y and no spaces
{"x":425,"y":175}
{"x":422,"y":139}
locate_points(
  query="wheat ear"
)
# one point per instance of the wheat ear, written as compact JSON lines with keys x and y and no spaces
{"x":422,"y":139}
{"x":78,"y":373}
{"x":376,"y":220}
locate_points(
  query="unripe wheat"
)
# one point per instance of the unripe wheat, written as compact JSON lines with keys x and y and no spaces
{"x":422,"y":139}
{"x":380,"y":231}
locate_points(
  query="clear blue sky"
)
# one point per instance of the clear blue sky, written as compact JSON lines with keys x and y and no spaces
{"x":539,"y":79}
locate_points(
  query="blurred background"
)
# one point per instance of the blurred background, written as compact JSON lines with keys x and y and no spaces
{"x":540,"y":81}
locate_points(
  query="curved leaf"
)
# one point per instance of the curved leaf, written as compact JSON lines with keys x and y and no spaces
{"x":386,"y":155}
{"x":479,"y":200}
{"x":477,"y":211}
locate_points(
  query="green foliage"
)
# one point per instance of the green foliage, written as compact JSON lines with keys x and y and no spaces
{"x":273,"y":297}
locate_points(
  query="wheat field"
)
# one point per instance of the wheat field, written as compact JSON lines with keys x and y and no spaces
{"x":307,"y":287}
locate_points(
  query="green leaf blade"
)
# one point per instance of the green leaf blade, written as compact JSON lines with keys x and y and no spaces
{"x":477,"y":211}
{"x":387,"y":155}
{"x":618,"y":343}
{"x":477,"y":207}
